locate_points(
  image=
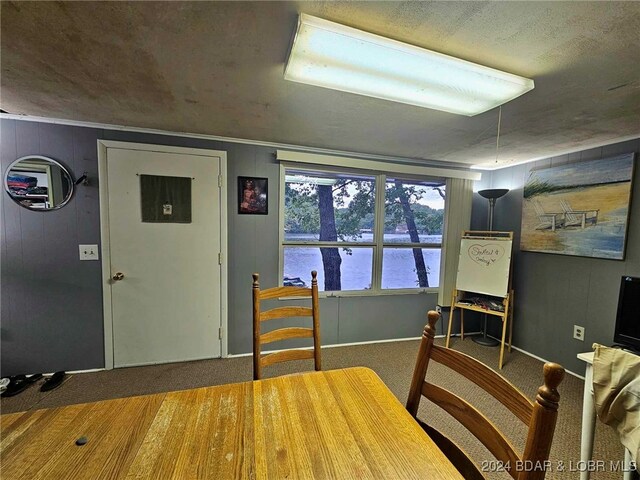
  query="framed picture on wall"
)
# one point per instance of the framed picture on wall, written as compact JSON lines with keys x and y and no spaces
{"x":579,"y":208}
{"x":253,"y":196}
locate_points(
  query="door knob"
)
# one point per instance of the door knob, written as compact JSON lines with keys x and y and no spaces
{"x":118,"y":276}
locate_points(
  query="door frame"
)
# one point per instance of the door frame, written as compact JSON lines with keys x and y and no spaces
{"x":103,"y":145}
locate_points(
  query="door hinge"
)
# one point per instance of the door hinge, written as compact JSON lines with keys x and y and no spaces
{"x":220,"y":258}
{"x":220,"y":180}
{"x":220,"y":333}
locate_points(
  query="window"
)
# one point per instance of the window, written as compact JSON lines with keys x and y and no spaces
{"x":337,"y":224}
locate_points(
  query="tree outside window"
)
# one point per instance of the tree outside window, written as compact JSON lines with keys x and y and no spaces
{"x":331,"y":225}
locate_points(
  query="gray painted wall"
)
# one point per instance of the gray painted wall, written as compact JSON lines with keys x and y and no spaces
{"x":253,"y":247}
{"x":52,"y":302}
{"x":555,"y":292}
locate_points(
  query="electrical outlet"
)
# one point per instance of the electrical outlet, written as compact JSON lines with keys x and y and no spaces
{"x":578,"y":332}
{"x":89,"y":252}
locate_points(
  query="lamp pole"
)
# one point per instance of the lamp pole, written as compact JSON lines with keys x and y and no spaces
{"x":492,"y":195}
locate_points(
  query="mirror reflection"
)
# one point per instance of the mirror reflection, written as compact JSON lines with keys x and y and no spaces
{"x":38,"y":183}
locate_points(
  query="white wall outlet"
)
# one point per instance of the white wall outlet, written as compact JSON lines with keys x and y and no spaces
{"x":578,"y":332}
{"x":89,"y":252}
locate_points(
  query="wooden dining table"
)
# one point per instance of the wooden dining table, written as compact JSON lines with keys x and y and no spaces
{"x":343,"y":424}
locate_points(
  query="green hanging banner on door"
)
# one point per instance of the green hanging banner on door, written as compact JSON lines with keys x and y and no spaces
{"x":165,"y":199}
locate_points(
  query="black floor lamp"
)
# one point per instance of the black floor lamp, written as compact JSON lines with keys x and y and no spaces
{"x":492,"y":195}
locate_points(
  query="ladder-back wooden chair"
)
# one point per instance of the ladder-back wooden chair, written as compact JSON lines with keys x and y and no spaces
{"x":259,"y":316}
{"x":540,"y":415}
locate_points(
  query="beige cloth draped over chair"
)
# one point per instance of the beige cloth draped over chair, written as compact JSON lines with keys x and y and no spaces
{"x":616,"y":392}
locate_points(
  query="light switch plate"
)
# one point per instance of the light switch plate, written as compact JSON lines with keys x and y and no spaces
{"x":89,"y":252}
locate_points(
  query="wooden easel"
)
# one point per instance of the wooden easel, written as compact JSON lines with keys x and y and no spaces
{"x":507,"y":301}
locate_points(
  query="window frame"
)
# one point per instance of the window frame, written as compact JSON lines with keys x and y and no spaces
{"x":377,"y":245}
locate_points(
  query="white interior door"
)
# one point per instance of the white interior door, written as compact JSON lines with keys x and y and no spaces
{"x":165,"y":277}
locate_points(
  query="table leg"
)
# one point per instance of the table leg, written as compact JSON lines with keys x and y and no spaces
{"x":588,"y":421}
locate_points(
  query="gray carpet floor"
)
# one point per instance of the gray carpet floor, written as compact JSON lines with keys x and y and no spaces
{"x":393,"y":362}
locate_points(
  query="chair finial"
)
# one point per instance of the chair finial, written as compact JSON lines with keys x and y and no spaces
{"x":548,"y":395}
{"x":430,"y":328}
{"x":256,"y":283}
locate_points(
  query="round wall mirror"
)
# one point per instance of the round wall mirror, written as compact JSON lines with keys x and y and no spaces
{"x":38,"y":183}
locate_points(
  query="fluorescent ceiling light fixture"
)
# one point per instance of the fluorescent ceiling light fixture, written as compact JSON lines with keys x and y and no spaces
{"x":330,"y":55}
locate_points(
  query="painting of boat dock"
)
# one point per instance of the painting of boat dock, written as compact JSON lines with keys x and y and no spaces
{"x":578,"y":208}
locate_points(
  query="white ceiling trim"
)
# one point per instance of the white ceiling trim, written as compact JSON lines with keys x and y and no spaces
{"x":372,"y":165}
{"x":219,"y":138}
{"x":323,"y":151}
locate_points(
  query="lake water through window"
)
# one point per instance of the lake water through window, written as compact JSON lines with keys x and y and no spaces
{"x":335,"y":223}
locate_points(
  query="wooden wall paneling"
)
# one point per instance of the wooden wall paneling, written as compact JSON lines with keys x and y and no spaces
{"x":30,"y":283}
{"x":61,"y":295}
{"x":52,"y":302}
{"x":87,"y":197}
{"x":591,"y":154}
{"x":12,"y":266}
{"x":571,"y":290}
{"x":88,"y":273}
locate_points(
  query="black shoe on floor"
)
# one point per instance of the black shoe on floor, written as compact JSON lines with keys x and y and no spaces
{"x":53,"y":382}
{"x":20,"y":383}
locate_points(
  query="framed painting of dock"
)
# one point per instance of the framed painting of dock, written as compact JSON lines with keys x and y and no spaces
{"x":579,"y":209}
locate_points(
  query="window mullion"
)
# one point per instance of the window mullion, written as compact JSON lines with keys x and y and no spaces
{"x":378,"y":236}
{"x":282,"y":179}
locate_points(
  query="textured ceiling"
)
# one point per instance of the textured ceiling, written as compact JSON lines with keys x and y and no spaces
{"x":217,"y":68}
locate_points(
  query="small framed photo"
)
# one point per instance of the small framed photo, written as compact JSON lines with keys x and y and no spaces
{"x":253,"y":196}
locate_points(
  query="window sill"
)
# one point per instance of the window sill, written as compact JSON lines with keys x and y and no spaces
{"x":378,"y":293}
{"x":371,"y":293}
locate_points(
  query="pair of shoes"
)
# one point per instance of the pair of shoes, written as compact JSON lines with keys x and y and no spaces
{"x":20,"y":383}
{"x":53,"y":382}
